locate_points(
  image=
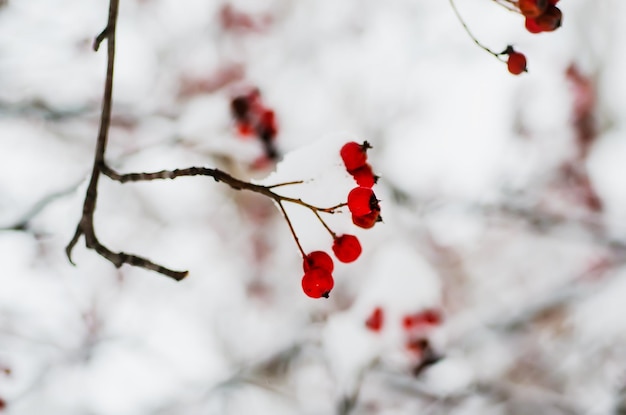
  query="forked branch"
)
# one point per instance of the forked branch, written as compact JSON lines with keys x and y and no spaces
{"x":85,"y":226}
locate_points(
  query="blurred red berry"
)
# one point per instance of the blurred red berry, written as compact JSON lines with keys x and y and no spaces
{"x":432,"y":316}
{"x":409,"y":321}
{"x":362,"y":200}
{"x":375,"y":321}
{"x":354,"y":155}
{"x":244,"y":129}
{"x":347,"y":248}
{"x":516,"y":63}
{"x":532,"y":8}
{"x":550,"y":20}
{"x":553,"y":2}
{"x":317,"y":283}
{"x":364,"y":176}
{"x":416,"y":346}
{"x":367,"y":221}
{"x":532,"y":26}
{"x":428,"y":317}
{"x":267,"y":128}
{"x":318,"y":259}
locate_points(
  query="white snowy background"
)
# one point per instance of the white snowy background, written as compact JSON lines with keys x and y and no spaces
{"x":503,"y":201}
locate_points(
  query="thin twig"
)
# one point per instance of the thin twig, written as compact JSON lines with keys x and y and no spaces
{"x":469,"y":33}
{"x":508,"y":4}
{"x":333,"y":234}
{"x":23,"y":222}
{"x":285,"y":184}
{"x":293,"y":231}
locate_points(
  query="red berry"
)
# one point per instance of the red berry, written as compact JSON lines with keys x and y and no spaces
{"x":553,"y":2}
{"x":267,"y":128}
{"x":318,"y":259}
{"x":367,"y":221}
{"x":362,"y":200}
{"x":428,"y":317}
{"x":317,"y":283}
{"x":375,"y":321}
{"x":354,"y":155}
{"x":432,"y":316}
{"x":516,"y":63}
{"x":550,"y":20}
{"x":347,"y":248}
{"x":532,"y":26}
{"x":364,"y":176}
{"x":244,"y":129}
{"x":408,"y":321}
{"x":532,"y":8}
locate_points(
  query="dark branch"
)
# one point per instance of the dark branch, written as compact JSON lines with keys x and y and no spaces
{"x":85,"y":226}
{"x":218,"y":176}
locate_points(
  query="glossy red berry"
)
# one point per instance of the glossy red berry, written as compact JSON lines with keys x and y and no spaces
{"x":516,"y":63}
{"x":375,"y":321}
{"x":550,"y":20}
{"x":318,"y":259}
{"x":532,"y":8}
{"x":354,"y":155}
{"x":364,"y":176}
{"x":367,"y":221}
{"x":362,"y":200}
{"x":347,"y":248}
{"x":317,"y":283}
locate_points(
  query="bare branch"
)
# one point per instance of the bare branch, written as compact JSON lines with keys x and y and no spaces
{"x":85,"y":226}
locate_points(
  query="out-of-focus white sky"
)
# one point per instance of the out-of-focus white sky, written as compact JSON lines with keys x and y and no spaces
{"x":482,"y":220}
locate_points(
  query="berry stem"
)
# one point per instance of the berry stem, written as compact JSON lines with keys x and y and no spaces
{"x":508,"y":4}
{"x":293,"y":231}
{"x":333,"y":234}
{"x":300,"y":202}
{"x":469,"y":33}
{"x":285,"y":184}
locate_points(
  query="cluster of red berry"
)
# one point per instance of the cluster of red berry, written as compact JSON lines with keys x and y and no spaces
{"x":362,"y":201}
{"x":422,"y":319}
{"x":417,"y":327}
{"x":412,"y":323}
{"x":318,"y":265}
{"x":541,"y":15}
{"x":252,"y":117}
